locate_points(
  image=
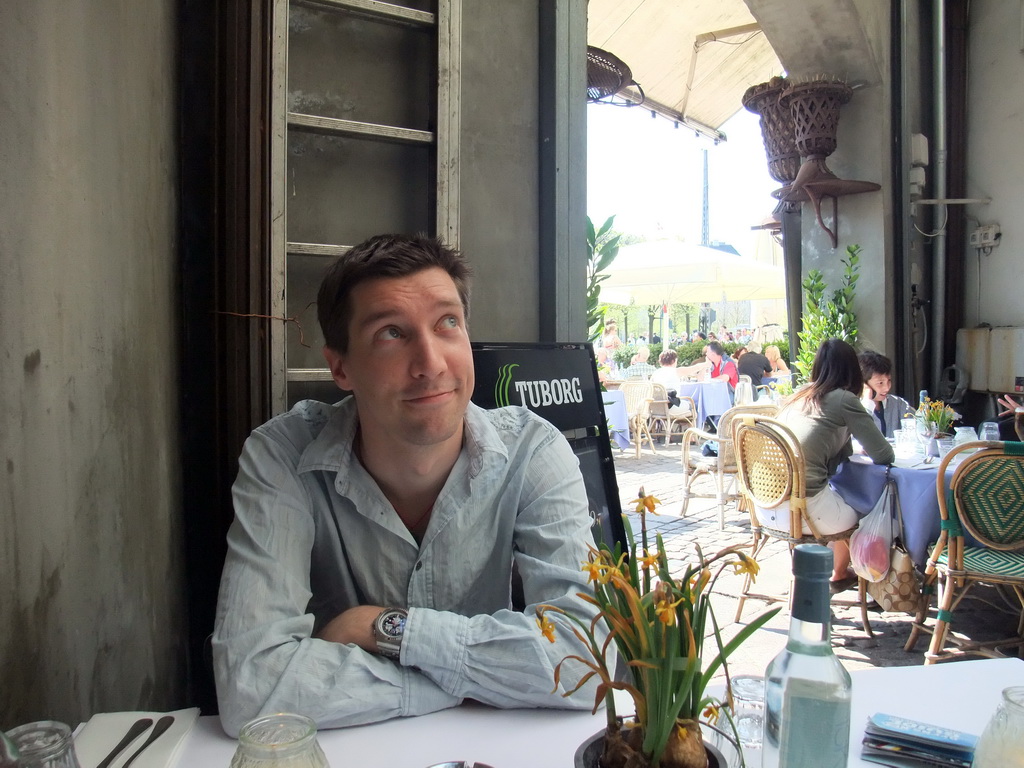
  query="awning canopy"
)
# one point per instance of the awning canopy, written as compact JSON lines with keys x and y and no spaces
{"x":675,"y":272}
{"x":693,"y":59}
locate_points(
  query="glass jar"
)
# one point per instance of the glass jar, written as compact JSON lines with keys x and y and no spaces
{"x":1002,"y":743}
{"x":279,"y":741}
{"x":44,"y":744}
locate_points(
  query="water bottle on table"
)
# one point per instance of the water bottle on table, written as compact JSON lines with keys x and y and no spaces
{"x":808,"y":692}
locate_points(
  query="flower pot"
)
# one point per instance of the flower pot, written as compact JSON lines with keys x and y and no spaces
{"x":721,"y":748}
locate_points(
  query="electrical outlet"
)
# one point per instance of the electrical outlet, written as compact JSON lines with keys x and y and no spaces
{"x":986,"y":236}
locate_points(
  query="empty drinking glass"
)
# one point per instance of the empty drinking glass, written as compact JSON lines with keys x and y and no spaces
{"x":989,"y":430}
{"x":44,"y":744}
{"x":748,"y":709}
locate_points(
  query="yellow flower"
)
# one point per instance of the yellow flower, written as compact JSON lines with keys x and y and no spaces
{"x":646,"y":503}
{"x":711,"y":713}
{"x":649,"y":560}
{"x":746,"y":564}
{"x":597,"y":571}
{"x":663,"y":605}
{"x":547,"y":627}
{"x":699,"y":580}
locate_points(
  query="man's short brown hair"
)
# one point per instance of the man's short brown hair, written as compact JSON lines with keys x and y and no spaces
{"x":382,"y":256}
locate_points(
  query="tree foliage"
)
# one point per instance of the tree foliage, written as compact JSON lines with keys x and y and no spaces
{"x":828,"y":317}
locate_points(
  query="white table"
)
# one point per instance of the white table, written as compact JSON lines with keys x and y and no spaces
{"x":549,"y":738}
{"x":618,"y":421}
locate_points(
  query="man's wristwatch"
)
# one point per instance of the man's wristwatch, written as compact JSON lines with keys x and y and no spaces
{"x":388,"y":631}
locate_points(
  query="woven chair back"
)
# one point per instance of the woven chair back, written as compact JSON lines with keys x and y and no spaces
{"x":726,"y":450}
{"x":988,"y":488}
{"x":770,"y":465}
{"x":659,"y":403}
{"x":637,"y":395}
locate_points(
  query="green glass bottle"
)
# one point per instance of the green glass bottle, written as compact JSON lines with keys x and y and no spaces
{"x":807,"y":689}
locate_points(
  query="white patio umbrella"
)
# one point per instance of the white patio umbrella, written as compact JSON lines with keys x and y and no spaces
{"x":674,"y":272}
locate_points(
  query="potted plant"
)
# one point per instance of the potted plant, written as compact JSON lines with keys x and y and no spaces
{"x":658,"y":624}
{"x":938,"y":418}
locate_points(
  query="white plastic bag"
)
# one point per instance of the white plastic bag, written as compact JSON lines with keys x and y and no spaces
{"x":871,"y":543}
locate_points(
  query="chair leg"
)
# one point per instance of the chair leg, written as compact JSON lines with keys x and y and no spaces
{"x":947,"y":588}
{"x":921,"y":617}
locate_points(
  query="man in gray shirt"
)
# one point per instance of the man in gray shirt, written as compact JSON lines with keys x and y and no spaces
{"x":369,"y":564}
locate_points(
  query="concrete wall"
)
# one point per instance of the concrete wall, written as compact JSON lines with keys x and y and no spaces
{"x":995,"y":161}
{"x":92,"y":605}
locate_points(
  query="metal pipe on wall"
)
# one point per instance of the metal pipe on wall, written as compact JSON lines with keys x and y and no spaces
{"x":939,"y":243}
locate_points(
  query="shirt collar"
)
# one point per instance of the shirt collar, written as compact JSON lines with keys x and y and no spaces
{"x":332,"y":449}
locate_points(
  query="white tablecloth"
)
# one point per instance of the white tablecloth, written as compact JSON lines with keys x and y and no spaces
{"x":618,"y":421}
{"x":549,"y":738}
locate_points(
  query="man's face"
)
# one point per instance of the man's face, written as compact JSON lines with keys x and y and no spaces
{"x":713,"y":356}
{"x":880,"y":384}
{"x":408,"y":362}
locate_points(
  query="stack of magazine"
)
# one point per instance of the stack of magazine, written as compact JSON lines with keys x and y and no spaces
{"x":897,"y":741}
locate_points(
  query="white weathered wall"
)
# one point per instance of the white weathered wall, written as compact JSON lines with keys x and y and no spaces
{"x":92,"y":605}
{"x":995,"y":161}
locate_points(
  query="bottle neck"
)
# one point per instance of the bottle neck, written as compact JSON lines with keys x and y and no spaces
{"x":810,"y":623}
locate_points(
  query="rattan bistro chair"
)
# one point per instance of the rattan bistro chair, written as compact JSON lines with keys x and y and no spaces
{"x":662,"y":422}
{"x":721,"y":467}
{"x":771,"y":470}
{"x":638,"y":395}
{"x":985,"y":497}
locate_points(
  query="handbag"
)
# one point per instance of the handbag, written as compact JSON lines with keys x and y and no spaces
{"x":900,"y":588}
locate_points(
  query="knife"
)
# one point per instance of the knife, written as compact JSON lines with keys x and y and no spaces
{"x":133,"y":733}
{"x":162,"y":725}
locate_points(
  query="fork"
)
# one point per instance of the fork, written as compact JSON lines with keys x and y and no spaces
{"x":161,"y":726}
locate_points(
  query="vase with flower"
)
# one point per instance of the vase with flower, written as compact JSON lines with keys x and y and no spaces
{"x":936,"y":423}
{"x":658,"y":624}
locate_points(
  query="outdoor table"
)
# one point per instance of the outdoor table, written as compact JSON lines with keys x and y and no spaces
{"x":618,"y":421}
{"x":548,"y":738}
{"x":711,"y":398}
{"x":859,"y":481}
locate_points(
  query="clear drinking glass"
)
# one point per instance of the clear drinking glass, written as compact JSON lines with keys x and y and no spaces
{"x":1002,"y":742}
{"x":279,"y":741}
{"x":44,"y":744}
{"x":748,"y":708}
{"x":989,"y":430}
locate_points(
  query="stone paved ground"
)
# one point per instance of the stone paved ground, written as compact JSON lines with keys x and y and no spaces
{"x":661,"y":475}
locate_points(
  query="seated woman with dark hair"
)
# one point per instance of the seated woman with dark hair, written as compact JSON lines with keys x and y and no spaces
{"x":824,"y":415}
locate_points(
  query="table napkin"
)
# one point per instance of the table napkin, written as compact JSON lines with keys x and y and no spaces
{"x":102,"y":733}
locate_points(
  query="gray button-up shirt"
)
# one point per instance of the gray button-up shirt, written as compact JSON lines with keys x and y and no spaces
{"x":313,"y":535}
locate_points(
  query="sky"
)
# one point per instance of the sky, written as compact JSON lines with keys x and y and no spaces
{"x":650,"y":175}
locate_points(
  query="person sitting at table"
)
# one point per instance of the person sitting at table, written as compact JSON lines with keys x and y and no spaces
{"x":668,"y":376}
{"x":779,"y":367}
{"x":888,"y":409}
{"x":824,"y":415}
{"x":369,"y":566}
{"x":754,"y":364}
{"x":639,"y":368}
{"x":722,"y":367}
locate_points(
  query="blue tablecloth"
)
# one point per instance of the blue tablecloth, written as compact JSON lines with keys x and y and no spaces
{"x":711,"y":398}
{"x":860,"y":483}
{"x":618,"y":421}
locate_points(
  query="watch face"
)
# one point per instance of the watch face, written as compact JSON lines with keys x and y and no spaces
{"x":393,"y":624}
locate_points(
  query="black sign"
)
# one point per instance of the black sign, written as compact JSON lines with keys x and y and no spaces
{"x":558,"y":382}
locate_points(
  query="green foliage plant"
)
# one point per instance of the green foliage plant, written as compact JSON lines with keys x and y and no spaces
{"x":828,"y":316}
{"x":602,"y":248}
